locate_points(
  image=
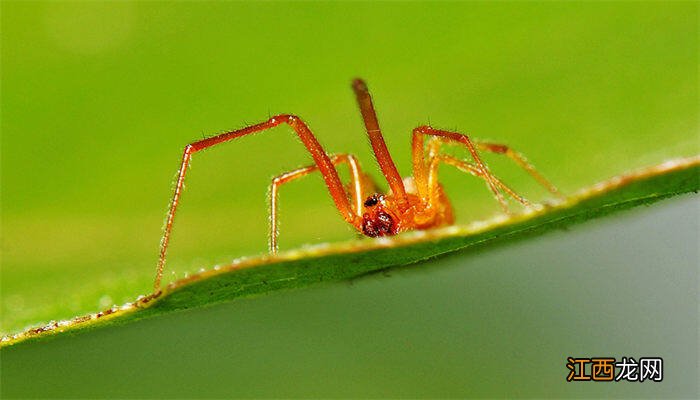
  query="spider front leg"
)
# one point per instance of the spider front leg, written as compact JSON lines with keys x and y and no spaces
{"x":321,"y":159}
{"x":359,"y":185}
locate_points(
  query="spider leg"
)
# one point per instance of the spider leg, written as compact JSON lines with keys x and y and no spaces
{"x":519,"y":159}
{"x":381,"y":153}
{"x":321,"y":159}
{"x":434,"y":158}
{"x":358,"y":183}
{"x":420,"y":167}
{"x":468,"y":168}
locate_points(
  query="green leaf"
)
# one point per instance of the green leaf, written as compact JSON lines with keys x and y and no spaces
{"x":333,"y":262}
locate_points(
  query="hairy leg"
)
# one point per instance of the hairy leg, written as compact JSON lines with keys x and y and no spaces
{"x":381,"y":153}
{"x":420,"y":167}
{"x":519,"y":159}
{"x":468,"y":168}
{"x":357,"y":186}
{"x":321,"y":159}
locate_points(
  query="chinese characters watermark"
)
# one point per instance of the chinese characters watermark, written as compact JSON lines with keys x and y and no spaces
{"x":602,"y":369}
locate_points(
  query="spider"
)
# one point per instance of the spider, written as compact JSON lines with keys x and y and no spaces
{"x":415,"y":202}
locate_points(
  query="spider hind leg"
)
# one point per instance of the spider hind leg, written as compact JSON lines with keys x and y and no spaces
{"x":519,"y":159}
{"x":426,"y":165}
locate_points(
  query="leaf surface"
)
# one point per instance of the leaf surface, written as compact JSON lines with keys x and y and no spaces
{"x":333,"y":262}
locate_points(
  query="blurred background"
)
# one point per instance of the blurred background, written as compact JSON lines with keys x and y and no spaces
{"x":99,"y":99}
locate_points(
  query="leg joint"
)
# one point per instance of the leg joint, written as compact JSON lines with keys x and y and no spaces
{"x":288,"y":119}
{"x":422,"y":129}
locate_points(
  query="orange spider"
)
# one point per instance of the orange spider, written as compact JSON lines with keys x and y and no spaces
{"x":416,"y":202}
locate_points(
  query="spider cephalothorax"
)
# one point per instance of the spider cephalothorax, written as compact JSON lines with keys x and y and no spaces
{"x":377,"y":219}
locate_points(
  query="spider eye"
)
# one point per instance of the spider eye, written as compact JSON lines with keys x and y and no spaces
{"x":372,"y":200}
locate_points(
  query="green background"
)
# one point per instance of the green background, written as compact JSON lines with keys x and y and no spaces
{"x":98,"y":100}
